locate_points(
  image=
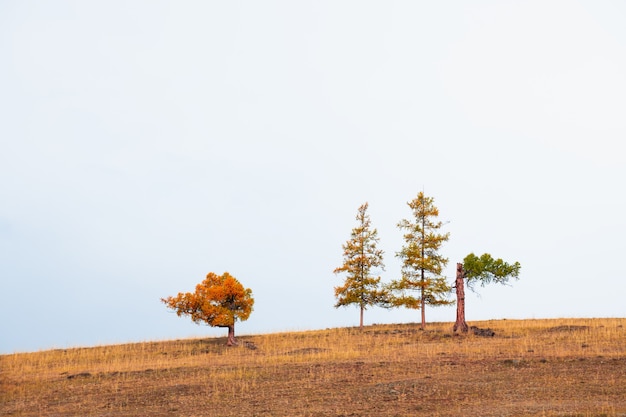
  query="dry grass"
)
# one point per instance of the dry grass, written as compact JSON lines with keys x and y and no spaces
{"x":557,"y":368}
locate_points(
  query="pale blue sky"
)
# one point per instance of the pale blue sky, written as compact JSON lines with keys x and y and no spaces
{"x":144,"y":144}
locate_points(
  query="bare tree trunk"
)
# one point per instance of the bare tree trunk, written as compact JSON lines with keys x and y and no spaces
{"x":231,"y":336}
{"x":423,"y":275}
{"x":460,"y":300}
{"x":361,"y":321}
{"x":423,"y":301}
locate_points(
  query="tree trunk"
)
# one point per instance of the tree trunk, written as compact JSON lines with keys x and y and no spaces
{"x":231,"y":336}
{"x":423,"y":301}
{"x":423,"y":275}
{"x":361,"y":321}
{"x":460,"y":301}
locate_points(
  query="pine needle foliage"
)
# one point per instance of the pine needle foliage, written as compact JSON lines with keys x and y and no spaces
{"x":422,"y":264}
{"x":484,"y":269}
{"x":361,"y":258}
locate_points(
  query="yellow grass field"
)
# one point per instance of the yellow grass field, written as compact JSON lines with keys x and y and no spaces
{"x":564,"y":368}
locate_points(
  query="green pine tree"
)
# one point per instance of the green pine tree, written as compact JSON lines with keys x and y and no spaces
{"x":483,"y":269}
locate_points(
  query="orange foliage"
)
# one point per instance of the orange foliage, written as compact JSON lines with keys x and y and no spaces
{"x":218,"y":301}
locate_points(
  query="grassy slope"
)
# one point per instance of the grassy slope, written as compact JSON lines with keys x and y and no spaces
{"x":530,"y":368}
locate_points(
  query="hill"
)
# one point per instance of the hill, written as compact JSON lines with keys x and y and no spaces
{"x":529,"y":368}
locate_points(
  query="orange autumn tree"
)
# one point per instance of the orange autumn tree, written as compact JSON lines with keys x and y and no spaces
{"x":219,"y":301}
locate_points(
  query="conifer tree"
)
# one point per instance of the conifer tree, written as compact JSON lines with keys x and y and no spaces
{"x":484,"y":270}
{"x":361,"y":258}
{"x":422,"y":265}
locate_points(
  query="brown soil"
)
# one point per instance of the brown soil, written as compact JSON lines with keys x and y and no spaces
{"x":527,"y":369}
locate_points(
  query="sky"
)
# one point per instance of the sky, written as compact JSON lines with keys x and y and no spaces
{"x":144,"y":144}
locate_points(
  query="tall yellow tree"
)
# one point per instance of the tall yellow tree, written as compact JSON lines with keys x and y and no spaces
{"x":219,"y":301}
{"x":422,"y":282}
{"x":360,"y":258}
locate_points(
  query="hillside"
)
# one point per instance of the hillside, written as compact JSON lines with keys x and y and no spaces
{"x":529,"y":368}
